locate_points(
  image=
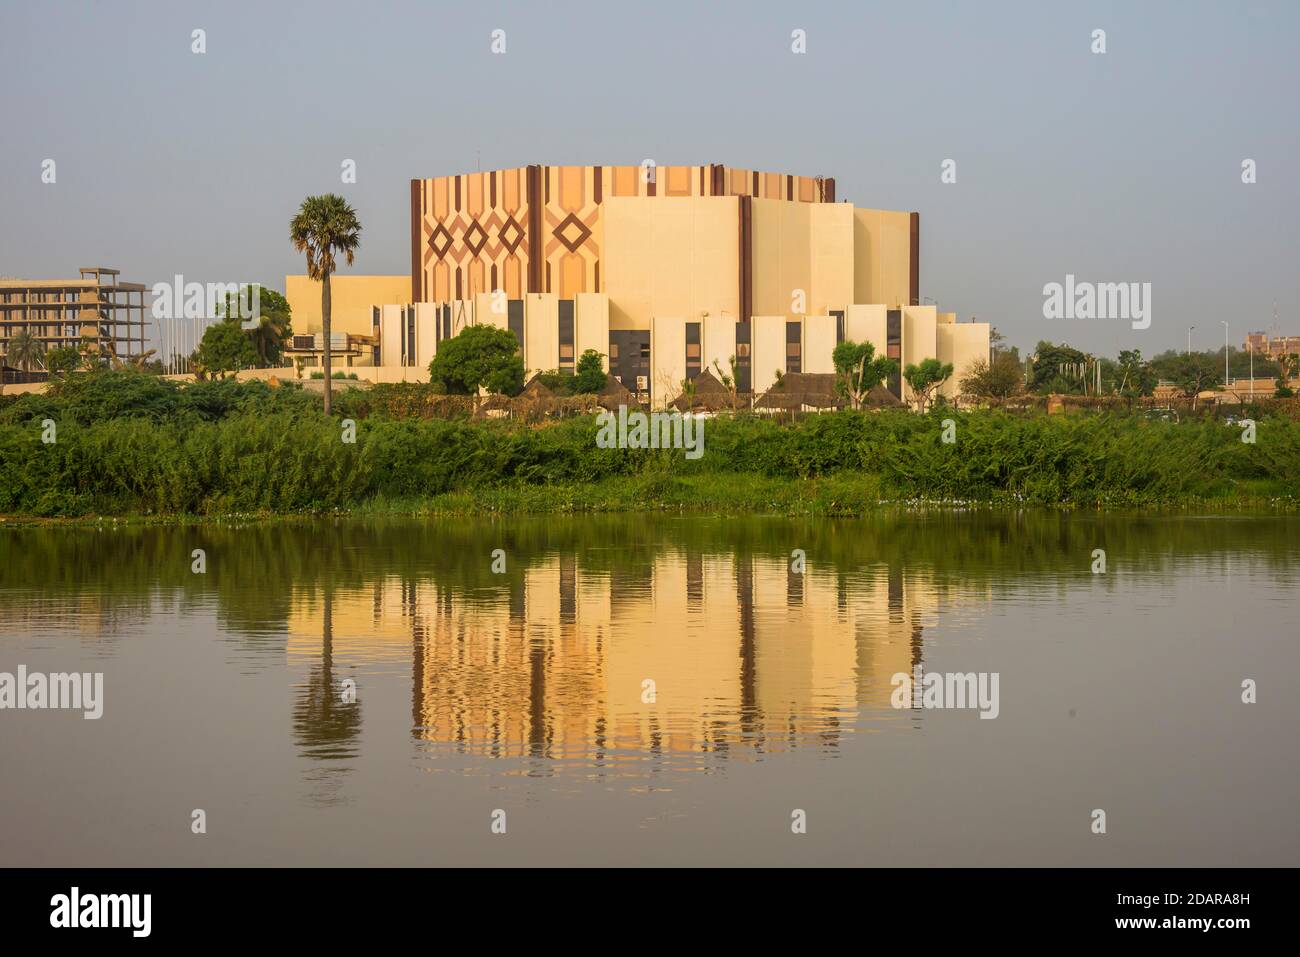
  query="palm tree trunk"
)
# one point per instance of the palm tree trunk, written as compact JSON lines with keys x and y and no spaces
{"x":325,"y":325}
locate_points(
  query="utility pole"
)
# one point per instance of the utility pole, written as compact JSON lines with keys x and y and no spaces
{"x":1189,"y":339}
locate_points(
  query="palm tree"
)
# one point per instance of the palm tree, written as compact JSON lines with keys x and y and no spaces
{"x":323,"y":226}
{"x":24,"y":349}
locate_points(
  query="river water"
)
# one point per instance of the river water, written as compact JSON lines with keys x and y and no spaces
{"x":657,"y":690}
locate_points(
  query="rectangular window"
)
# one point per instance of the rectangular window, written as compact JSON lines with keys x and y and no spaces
{"x":793,"y":347}
{"x":410,"y":336}
{"x":692,"y":349}
{"x":839,"y":325}
{"x":629,"y":357}
{"x":566,"y":335}
{"x":515,"y":320}
{"x":744,"y":361}
{"x":894,"y":349}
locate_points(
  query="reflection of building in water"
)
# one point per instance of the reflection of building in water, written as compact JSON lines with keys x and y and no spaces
{"x":741,"y":651}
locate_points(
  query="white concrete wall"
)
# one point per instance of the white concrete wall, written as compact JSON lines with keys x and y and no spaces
{"x":920,"y":339}
{"x":768,"y":351}
{"x":591,"y":325}
{"x":719,"y":335}
{"x":541,"y":332}
{"x":667,"y":358}
{"x":819,"y":343}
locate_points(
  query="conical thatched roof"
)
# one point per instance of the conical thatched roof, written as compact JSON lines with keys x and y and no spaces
{"x":536,"y":389}
{"x":614,"y":394}
{"x":881,"y":398}
{"x":710,"y":395}
{"x":799,"y":389}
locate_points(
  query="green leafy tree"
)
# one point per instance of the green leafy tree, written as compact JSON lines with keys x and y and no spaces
{"x":273,"y":330}
{"x":999,"y":379}
{"x":1287,"y":365}
{"x":479,"y":357}
{"x":1136,"y":377}
{"x":63,"y":360}
{"x":23,"y":350}
{"x":1048,"y":362}
{"x":590,"y":375}
{"x":859,"y":370}
{"x":1194,"y":373}
{"x":225,"y":348}
{"x":323,"y":226}
{"x":925,"y":377}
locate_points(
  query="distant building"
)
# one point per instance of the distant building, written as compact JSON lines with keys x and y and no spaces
{"x":1262,"y":344}
{"x":665,"y":271}
{"x":97,"y":309}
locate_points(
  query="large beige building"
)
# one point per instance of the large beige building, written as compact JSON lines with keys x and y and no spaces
{"x":665,"y":271}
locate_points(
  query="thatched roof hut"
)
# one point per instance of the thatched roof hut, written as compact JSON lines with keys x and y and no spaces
{"x":537,"y":389}
{"x":614,"y":394}
{"x":881,"y":398}
{"x":709,"y":395}
{"x":798,"y":391}
{"x":808,"y":391}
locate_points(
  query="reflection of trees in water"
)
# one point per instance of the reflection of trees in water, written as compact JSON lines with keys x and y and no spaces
{"x":325,"y":727}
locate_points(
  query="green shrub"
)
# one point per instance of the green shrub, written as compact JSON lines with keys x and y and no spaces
{"x":243,"y":447}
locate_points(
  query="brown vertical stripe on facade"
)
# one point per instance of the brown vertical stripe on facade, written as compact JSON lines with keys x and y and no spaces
{"x":492,"y":189}
{"x":417,"y":273}
{"x":535,"y":212}
{"x":457,"y":180}
{"x":548,"y":278}
{"x":755,"y":190}
{"x":650,"y":186}
{"x":595,"y":185}
{"x":495,"y":287}
{"x":830,"y":189}
{"x":746,"y":257}
{"x":703,"y":192}
{"x":458,"y":293}
{"x":597,"y":289}
{"x":789,"y":187}
{"x":916,"y":260}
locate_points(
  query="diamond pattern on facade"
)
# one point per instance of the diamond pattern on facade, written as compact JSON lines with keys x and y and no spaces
{"x":572,"y":232}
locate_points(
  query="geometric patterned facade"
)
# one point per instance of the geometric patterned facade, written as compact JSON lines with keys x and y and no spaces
{"x":538,"y":228}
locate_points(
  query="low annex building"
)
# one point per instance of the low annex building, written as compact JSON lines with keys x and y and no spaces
{"x":666,"y":271}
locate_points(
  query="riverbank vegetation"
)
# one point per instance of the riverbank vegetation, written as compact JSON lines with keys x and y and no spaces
{"x":130,"y":444}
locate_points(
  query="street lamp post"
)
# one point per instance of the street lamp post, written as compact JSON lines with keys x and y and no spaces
{"x":1189,"y":339}
{"x":1225,"y":354}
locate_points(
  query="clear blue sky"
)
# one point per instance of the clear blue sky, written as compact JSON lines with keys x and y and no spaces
{"x":1118,"y":167}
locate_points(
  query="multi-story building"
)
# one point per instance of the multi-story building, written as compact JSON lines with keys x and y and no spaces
{"x":99,"y":310}
{"x":665,"y":271}
{"x":1261,"y":343}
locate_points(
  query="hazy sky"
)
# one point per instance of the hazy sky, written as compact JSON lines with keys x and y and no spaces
{"x":1122,"y":167}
